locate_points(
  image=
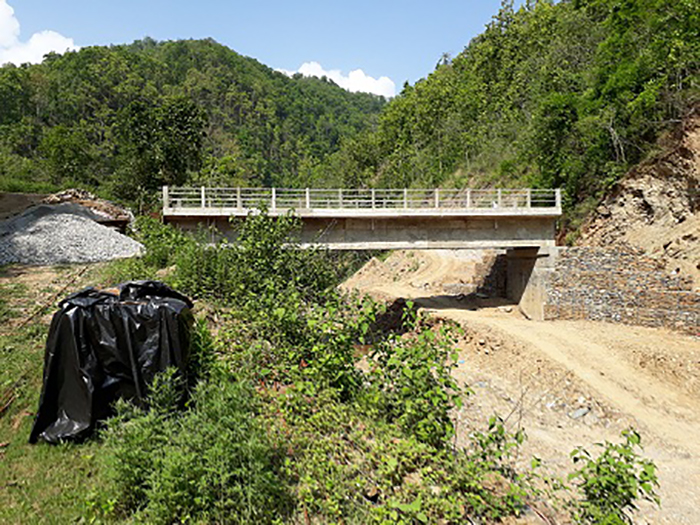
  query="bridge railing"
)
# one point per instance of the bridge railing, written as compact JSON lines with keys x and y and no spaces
{"x":357,"y":199}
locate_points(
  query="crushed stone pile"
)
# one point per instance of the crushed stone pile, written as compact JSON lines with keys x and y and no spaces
{"x":61,"y":233}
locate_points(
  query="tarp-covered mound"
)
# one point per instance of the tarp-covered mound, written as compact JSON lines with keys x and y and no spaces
{"x":105,"y":345}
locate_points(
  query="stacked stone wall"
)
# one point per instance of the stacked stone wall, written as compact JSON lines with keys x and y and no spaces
{"x":620,"y":286}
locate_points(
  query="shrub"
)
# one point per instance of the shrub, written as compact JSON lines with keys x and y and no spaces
{"x":202,"y":361}
{"x":349,"y":467}
{"x":207,"y":271}
{"x":411,"y":382}
{"x":613,"y":482}
{"x":270,"y":261}
{"x":291,"y":341}
{"x":211,"y":463}
{"x":162,"y":242}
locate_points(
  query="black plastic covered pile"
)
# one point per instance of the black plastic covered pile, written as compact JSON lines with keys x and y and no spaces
{"x":103,"y":346}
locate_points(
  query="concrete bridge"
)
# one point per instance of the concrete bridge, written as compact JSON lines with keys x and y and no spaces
{"x":520,"y":221}
{"x":382,"y":219}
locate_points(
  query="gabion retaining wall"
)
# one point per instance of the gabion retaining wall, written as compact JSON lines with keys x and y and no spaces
{"x":620,"y":286}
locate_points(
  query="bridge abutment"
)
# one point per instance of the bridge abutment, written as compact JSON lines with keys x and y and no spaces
{"x":529,"y":271}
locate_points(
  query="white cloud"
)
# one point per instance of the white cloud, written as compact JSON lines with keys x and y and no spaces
{"x":356,"y":80}
{"x":33,"y":50}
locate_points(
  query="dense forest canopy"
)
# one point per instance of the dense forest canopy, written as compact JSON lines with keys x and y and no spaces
{"x":552,"y":94}
{"x":129,"y":118}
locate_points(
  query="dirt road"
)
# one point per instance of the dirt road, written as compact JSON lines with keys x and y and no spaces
{"x":568,"y":383}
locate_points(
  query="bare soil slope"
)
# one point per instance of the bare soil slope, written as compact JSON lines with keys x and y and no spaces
{"x":656,"y":206}
{"x":568,"y":383}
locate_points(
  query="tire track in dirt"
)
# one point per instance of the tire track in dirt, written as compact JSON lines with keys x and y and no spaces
{"x":668,"y":414}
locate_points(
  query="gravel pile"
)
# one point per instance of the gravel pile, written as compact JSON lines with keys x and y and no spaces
{"x":62,"y":233}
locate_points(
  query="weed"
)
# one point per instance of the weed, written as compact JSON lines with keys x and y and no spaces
{"x":9,"y":293}
{"x":411,"y":381}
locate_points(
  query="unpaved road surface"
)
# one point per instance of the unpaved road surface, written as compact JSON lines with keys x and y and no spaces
{"x":567,"y":383}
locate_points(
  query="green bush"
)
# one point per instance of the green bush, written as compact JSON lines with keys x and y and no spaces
{"x":162,"y":242}
{"x":411,"y":381}
{"x":289,"y":341}
{"x":207,"y":271}
{"x":612,"y":483}
{"x":347,"y":466}
{"x":211,"y":463}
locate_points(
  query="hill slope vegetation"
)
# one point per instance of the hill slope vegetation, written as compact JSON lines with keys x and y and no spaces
{"x":129,"y":118}
{"x":565,"y":94}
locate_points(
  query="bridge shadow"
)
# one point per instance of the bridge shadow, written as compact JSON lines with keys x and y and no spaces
{"x":471,"y":302}
{"x":489,"y":291}
{"x":393,"y":319}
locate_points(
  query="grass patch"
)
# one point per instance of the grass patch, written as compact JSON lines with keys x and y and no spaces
{"x":38,"y":483}
{"x":10,"y":293}
{"x":20,"y":185}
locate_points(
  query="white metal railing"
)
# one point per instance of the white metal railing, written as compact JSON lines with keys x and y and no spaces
{"x":276,"y":199}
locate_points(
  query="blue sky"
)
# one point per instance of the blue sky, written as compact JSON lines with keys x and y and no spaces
{"x":400,"y":40}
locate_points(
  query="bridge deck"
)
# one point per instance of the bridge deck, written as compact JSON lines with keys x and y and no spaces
{"x":345,"y":219}
{"x":361,"y":203}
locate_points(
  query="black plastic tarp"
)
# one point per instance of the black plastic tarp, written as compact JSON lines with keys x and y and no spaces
{"x":103,"y":346}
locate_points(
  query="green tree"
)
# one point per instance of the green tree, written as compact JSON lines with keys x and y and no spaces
{"x":160,"y":145}
{"x":67,"y":154}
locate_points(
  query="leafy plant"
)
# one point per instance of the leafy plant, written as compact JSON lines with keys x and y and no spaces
{"x":496,"y":446}
{"x":411,"y":381}
{"x":211,"y":463}
{"x":613,"y":482}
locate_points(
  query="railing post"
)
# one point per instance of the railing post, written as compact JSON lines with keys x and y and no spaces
{"x":204,"y":198}
{"x":529,"y":198}
{"x":405,"y":198}
{"x":500,"y":198}
{"x":239,"y":202}
{"x":437,"y":197}
{"x":557,"y":197}
{"x":274,"y":199}
{"x":373,"y":198}
{"x":340,"y":197}
{"x":308,"y":199}
{"x":469,"y":199}
{"x":166,"y":198}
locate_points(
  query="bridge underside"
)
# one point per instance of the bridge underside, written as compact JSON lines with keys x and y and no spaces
{"x":388,"y":233}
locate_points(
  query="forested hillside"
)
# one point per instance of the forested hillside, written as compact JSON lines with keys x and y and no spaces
{"x":567,"y":94}
{"x":126,"y":119}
